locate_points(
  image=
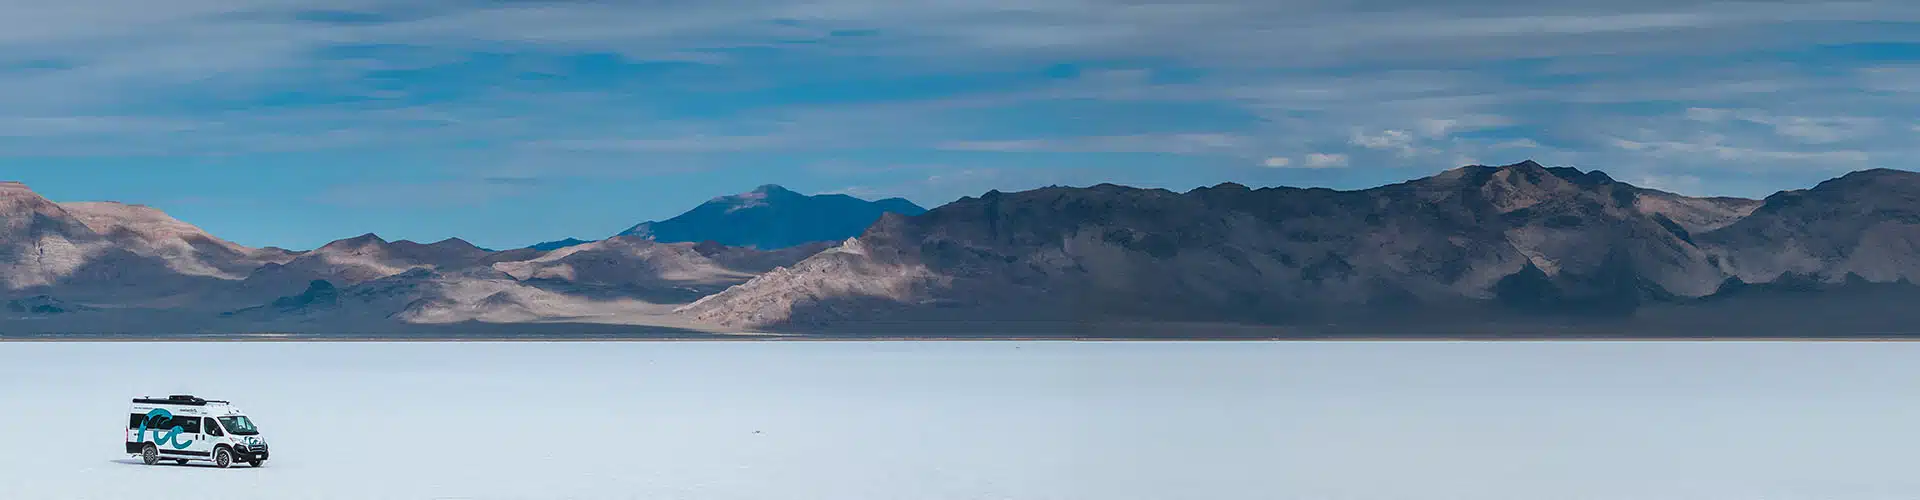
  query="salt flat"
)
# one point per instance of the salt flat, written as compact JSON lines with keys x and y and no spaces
{"x":986,"y":420}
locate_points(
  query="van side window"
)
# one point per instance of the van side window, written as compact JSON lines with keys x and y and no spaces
{"x":213,"y":428}
{"x":188,"y":425}
{"x":134,"y":420}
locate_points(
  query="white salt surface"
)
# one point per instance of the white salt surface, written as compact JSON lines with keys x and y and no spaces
{"x":985,"y":420}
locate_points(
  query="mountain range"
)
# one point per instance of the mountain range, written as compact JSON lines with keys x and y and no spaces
{"x":1522,"y":249}
{"x":1472,"y":247}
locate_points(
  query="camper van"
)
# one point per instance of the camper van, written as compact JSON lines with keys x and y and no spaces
{"x":183,"y":427}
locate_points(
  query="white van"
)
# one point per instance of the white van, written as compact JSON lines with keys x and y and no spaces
{"x":182,"y":428}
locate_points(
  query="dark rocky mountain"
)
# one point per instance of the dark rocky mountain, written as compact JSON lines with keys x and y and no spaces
{"x":549,"y":246}
{"x":320,"y":295}
{"x":1473,"y":242}
{"x":772,"y":217}
{"x":1864,"y":224}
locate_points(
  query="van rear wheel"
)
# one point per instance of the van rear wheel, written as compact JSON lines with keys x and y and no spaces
{"x":222,"y":458}
{"x":149,"y":454}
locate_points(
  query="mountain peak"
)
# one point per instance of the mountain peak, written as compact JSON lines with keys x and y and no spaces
{"x":1481,"y":169}
{"x":15,"y":189}
{"x":121,"y":212}
{"x":556,"y":245}
{"x":455,"y":245}
{"x":771,"y":189}
{"x":1870,"y":180}
{"x":758,"y":197}
{"x":1528,"y":165}
{"x":772,"y":217}
{"x":1529,"y":172}
{"x":900,"y":206}
{"x":1481,"y":174}
{"x":1224,"y":186}
{"x":360,"y":241}
{"x":1880,"y":173}
{"x":453,"y":242}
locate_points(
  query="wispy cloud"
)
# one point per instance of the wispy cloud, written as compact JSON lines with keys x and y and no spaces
{"x":696,"y":144}
{"x":1192,"y":143}
{"x":1522,"y":143}
{"x":1810,"y":129}
{"x":1711,"y":148}
{"x":1398,"y":141}
{"x":1324,"y":160}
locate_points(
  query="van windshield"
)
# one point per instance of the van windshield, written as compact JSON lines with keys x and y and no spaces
{"x":239,"y":426}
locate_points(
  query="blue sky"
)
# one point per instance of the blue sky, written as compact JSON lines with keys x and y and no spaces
{"x":507,"y":123}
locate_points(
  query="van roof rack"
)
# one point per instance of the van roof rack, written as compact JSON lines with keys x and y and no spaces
{"x":176,"y":399}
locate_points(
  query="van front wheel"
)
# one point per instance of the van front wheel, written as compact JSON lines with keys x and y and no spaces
{"x":149,"y":454}
{"x":222,"y":458}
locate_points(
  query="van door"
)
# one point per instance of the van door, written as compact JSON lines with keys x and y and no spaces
{"x":212,"y":429}
{"x":193,"y":436}
{"x":214,"y":434}
{"x":202,"y":445}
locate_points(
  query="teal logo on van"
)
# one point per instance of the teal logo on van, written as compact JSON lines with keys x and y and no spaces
{"x":172,"y":436}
